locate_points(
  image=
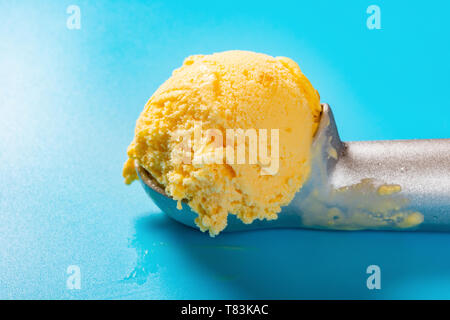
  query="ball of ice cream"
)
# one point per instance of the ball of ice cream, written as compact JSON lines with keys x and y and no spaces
{"x":229,"y":133}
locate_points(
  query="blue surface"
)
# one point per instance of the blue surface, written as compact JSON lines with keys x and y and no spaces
{"x":68,"y":103}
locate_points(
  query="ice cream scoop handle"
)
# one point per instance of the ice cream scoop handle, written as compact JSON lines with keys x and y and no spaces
{"x":421,"y":168}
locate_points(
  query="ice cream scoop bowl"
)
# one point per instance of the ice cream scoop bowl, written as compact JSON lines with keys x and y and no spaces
{"x":367,"y":185}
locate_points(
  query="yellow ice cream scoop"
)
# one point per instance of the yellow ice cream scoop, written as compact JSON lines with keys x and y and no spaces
{"x":239,"y":140}
{"x":229,"y":133}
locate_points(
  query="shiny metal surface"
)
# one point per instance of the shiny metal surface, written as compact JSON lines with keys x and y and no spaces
{"x":420,"y":167}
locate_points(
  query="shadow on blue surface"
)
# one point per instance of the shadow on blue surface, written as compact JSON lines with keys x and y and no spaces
{"x":290,"y":264}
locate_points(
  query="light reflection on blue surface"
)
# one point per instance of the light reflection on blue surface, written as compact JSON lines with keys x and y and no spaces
{"x":68,"y":104}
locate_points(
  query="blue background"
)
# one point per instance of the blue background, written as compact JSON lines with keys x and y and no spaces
{"x":68,"y":104}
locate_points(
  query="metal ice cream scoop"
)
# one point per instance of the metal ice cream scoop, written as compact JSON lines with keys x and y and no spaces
{"x":376,"y":185}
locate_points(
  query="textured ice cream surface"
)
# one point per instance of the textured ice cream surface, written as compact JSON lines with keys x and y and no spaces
{"x":219,"y":92}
